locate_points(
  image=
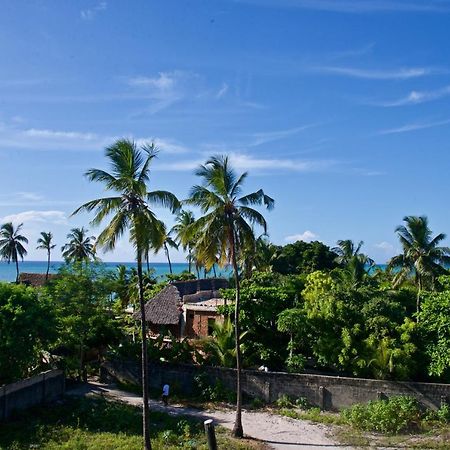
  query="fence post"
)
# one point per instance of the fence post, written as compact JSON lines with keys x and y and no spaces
{"x":210,"y":434}
{"x":322,"y":398}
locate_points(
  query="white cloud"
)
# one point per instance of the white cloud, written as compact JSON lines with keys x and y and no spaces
{"x":414,"y":127}
{"x":163,"y":81}
{"x":90,"y":13}
{"x":386,"y":248}
{"x":377,"y":74}
{"x":358,"y":6}
{"x":269,"y":136}
{"x":222,"y":91}
{"x":242,"y":161}
{"x":306,"y":236}
{"x":53,"y":217}
{"x":55,"y":134}
{"x":417,"y":97}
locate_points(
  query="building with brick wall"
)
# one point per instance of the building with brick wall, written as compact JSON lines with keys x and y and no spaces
{"x":185,"y":308}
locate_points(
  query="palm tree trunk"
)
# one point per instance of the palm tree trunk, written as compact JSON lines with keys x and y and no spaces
{"x":148,"y":262}
{"x":17,"y":270}
{"x":145,"y":407}
{"x":168,"y":257}
{"x":238,"y":431}
{"x":190,"y":259}
{"x":214,"y":270}
{"x":419,"y":291}
{"x":48,"y":265}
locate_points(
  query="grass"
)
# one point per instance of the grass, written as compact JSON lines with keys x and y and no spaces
{"x":91,"y":423}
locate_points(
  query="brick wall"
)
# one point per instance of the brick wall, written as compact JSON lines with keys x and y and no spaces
{"x":42,"y":388}
{"x":327,"y":392}
{"x":197,"y":323}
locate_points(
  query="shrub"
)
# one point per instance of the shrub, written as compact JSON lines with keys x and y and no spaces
{"x":386,"y":416}
{"x":212,"y":392}
{"x":284,"y":401}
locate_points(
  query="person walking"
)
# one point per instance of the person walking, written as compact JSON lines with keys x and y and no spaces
{"x":165,"y":394}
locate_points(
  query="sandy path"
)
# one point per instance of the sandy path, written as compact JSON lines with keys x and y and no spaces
{"x":278,"y":432}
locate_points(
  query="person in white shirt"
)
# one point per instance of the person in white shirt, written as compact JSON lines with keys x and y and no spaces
{"x":165,"y":394}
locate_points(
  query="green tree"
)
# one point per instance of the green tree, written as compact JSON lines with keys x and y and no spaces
{"x":80,"y":246}
{"x":181,"y":229}
{"x":45,"y":242}
{"x":165,"y":243}
{"x":303,"y":257}
{"x":130,"y":209}
{"x":11,"y":244}
{"x":27,"y":330}
{"x":224,"y":230}
{"x":422,"y":257}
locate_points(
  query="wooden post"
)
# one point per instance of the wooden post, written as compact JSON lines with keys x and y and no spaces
{"x":210,"y":434}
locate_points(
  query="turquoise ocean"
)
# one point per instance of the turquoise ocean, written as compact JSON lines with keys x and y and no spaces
{"x":8,"y":271}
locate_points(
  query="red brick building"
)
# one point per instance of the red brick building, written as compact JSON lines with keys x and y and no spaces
{"x":185,"y":308}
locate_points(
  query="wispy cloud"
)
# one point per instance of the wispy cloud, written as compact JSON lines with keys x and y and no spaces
{"x":222,"y":91}
{"x":415,"y":126}
{"x":90,"y":13}
{"x":416,"y":97}
{"x":306,"y":236}
{"x":269,"y":136}
{"x":358,"y":6}
{"x":65,"y":140}
{"x":52,"y":217}
{"x":402,"y":73}
{"x":243,"y":161}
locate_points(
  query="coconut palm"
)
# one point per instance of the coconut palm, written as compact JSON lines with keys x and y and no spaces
{"x":130,"y":207}
{"x":11,"y":244}
{"x":80,"y":246}
{"x":45,"y":242}
{"x":181,"y":229}
{"x":224,"y":230}
{"x":167,"y":242}
{"x":422,"y":257}
{"x":355,"y":262}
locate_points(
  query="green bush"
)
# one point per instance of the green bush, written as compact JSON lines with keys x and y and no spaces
{"x":216,"y":392}
{"x":284,"y":401}
{"x":386,"y":416}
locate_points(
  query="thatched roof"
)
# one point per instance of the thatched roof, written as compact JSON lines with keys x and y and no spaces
{"x":35,"y":279}
{"x":165,"y":307}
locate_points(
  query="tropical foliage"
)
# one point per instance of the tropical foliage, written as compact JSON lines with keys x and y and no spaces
{"x":80,"y":246}
{"x":12,"y":244}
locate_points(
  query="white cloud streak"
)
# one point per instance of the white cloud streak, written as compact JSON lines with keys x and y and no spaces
{"x":51,"y":217}
{"x":414,"y":127}
{"x":358,"y":6}
{"x":376,"y":74}
{"x":269,"y":136}
{"x":417,"y":97}
{"x":90,"y":13}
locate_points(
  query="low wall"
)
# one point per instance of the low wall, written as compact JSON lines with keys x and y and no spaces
{"x":327,"y":392}
{"x":42,"y":388}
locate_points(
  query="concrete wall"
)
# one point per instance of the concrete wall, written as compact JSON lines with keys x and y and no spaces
{"x":327,"y":392}
{"x":42,"y":388}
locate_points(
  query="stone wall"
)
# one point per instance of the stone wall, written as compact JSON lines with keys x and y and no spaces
{"x":327,"y":392}
{"x":42,"y":388}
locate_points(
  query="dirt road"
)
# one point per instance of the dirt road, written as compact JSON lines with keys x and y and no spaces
{"x":280,"y":433}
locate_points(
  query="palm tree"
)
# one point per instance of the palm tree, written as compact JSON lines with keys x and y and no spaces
{"x":11,"y":245}
{"x":181,"y":229}
{"x":130,"y":208}
{"x":355,"y":262}
{"x":46,"y":243}
{"x":80,"y":246}
{"x":422,"y":258}
{"x":167,"y":242}
{"x":225,"y":229}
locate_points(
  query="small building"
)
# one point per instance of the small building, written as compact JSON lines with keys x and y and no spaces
{"x":185,"y":308}
{"x":35,"y":279}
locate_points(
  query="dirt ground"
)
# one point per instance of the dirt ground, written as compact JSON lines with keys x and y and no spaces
{"x":280,"y":433}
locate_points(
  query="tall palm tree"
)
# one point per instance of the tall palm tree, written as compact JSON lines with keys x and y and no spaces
{"x":11,"y":244}
{"x":80,"y":246}
{"x":45,"y":242}
{"x":130,"y":207}
{"x":225,"y":229}
{"x":167,"y":242}
{"x":181,"y":229}
{"x":422,"y":256}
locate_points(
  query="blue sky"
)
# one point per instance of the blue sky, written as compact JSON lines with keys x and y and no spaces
{"x":338,"y":109}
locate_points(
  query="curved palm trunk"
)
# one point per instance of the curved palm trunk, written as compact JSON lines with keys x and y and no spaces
{"x":190,"y":259}
{"x":48,"y":265}
{"x":168,"y":257}
{"x":238,"y":431}
{"x":145,"y":407}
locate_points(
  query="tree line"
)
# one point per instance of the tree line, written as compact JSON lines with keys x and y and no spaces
{"x":318,"y":300}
